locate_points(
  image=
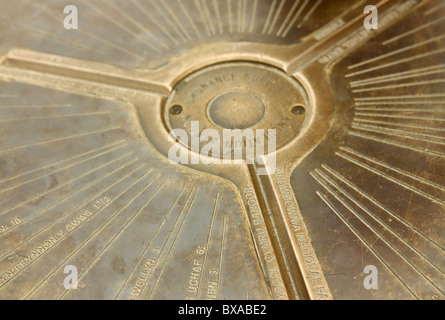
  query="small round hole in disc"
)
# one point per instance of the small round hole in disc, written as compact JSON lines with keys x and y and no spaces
{"x":298,"y":110}
{"x":176,"y":109}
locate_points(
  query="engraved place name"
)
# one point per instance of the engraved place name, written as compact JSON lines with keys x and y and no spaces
{"x":195,"y":276}
{"x":144,"y":276}
{"x":194,"y":280}
{"x":46,"y":246}
{"x":12,"y":223}
{"x":264,"y":244}
{"x":34,"y":255}
{"x":259,"y":226}
{"x":311,"y":265}
{"x":199,"y":89}
{"x":213,"y":285}
{"x":360,"y":36}
{"x":251,"y":78}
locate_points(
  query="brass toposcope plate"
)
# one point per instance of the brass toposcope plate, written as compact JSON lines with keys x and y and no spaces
{"x":86,"y":182}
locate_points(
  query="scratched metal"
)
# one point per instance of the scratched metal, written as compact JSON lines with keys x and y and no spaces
{"x":84,"y":175}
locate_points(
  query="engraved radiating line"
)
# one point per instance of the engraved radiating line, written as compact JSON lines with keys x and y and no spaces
{"x":398,"y":109}
{"x":223,"y":244}
{"x":399,"y":124}
{"x":396,"y":144}
{"x":381,"y":206}
{"x":277,"y":15}
{"x":218,"y":17}
{"x":142,"y":256}
{"x":35,"y":106}
{"x":391,"y":64}
{"x":288,"y":17}
{"x":152,"y":19}
{"x":189,"y":19}
{"x":398,"y":116}
{"x":269,"y":16}
{"x":206,"y":23}
{"x":401,"y":85}
{"x":368,"y":246}
{"x":253,"y":15}
{"x":396,"y":52}
{"x":136,"y":23}
{"x":373,"y":216}
{"x":61,"y":39}
{"x":62,"y":161}
{"x":184,"y":211}
{"x":96,"y":231}
{"x":401,"y":134}
{"x":244,"y":16}
{"x":158,"y":229}
{"x":119,"y":25}
{"x":167,"y":260}
{"x":58,"y":139}
{"x":310,"y":12}
{"x":405,"y":34}
{"x":392,"y":179}
{"x":207,"y":15}
{"x":111,"y":44}
{"x":373,"y":230}
{"x":114,"y":45}
{"x":240,"y":14}
{"x":217,"y":200}
{"x":404,"y":133}
{"x":116,"y":236}
{"x":229,"y":15}
{"x":432,"y":10}
{"x":180,"y":26}
{"x":60,"y":116}
{"x":106,"y":206}
{"x":35,"y":215}
{"x":63,"y":168}
{"x":392,"y":168}
{"x":53,"y":15}
{"x":400,"y":75}
{"x":52,"y":190}
{"x":292,"y":23}
{"x":398,"y":103}
{"x":73,"y":210}
{"x":410,"y":96}
{"x":166,"y":19}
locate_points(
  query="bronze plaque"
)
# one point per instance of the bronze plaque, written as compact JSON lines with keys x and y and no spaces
{"x":346,"y":202}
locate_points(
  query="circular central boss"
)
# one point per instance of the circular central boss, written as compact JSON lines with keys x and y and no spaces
{"x":248,"y":107}
{"x":238,"y":95}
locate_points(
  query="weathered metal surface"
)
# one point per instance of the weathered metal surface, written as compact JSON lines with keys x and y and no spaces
{"x":85,"y":117}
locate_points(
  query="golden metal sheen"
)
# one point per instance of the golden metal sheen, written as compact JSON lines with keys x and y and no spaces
{"x":85,"y":181}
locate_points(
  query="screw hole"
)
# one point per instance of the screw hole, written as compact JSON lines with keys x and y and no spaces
{"x":298,"y":110}
{"x":176,"y":109}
